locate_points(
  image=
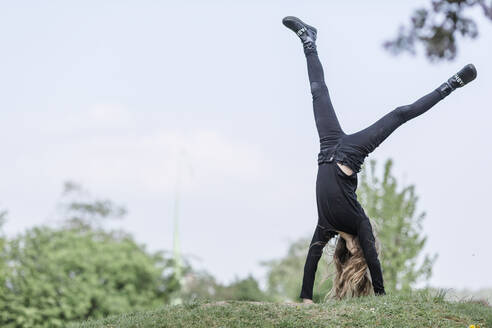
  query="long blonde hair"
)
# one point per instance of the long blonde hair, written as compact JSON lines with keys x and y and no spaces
{"x":352,"y":277}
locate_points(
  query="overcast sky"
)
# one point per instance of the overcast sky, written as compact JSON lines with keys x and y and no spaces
{"x":111,"y":94}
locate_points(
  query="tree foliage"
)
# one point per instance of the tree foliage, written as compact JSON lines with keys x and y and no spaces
{"x":4,"y":269}
{"x":394,"y":209}
{"x":437,"y":28}
{"x":79,"y":209}
{"x":246,"y":289}
{"x":79,"y":271}
{"x":201,"y":285}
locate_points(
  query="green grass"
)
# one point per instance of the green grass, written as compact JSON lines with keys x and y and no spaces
{"x":416,"y":310}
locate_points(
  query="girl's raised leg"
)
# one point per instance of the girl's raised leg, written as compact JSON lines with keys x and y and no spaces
{"x":324,"y":113}
{"x":372,"y":136}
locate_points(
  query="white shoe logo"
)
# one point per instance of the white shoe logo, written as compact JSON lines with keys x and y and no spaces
{"x":460,"y":81}
{"x":302,"y":30}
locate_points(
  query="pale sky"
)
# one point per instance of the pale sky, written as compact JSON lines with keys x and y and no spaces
{"x":109,"y":94}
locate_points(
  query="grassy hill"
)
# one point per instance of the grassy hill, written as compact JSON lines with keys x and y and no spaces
{"x":417,"y":310}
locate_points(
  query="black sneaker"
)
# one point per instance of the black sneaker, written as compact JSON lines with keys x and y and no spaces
{"x":463,"y":77}
{"x":458,"y":80}
{"x":305,"y":32}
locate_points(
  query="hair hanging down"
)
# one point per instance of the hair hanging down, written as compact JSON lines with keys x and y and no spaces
{"x":352,"y":277}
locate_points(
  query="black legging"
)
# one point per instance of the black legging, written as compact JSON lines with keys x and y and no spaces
{"x":338,"y":207}
{"x":355,"y":147}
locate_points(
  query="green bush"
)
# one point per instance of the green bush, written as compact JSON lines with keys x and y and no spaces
{"x":60,"y":275}
{"x":78,"y":270}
